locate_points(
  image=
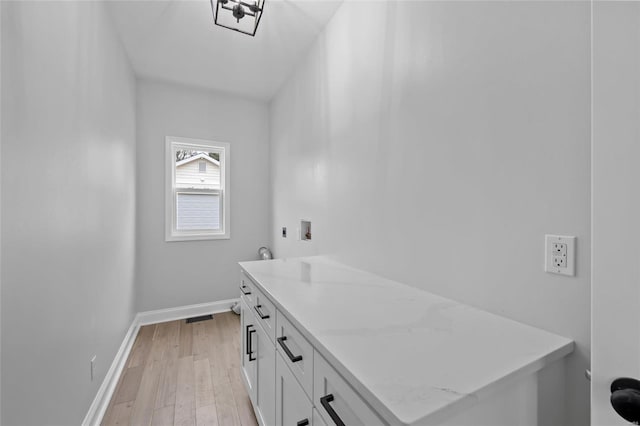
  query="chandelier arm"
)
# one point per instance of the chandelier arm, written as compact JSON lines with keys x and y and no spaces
{"x":251,"y":7}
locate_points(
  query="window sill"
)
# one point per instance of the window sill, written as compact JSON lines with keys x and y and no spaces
{"x":196,"y":237}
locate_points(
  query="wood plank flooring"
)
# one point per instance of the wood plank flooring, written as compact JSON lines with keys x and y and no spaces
{"x":183,"y":374}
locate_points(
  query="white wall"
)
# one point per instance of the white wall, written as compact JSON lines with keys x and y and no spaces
{"x":182,"y":273}
{"x":436,"y":143}
{"x":616,"y":202}
{"x":68,"y":111}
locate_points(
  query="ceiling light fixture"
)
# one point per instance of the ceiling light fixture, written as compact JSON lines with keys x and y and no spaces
{"x":238,"y":15}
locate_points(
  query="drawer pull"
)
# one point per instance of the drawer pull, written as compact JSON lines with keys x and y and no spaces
{"x":287,"y":350}
{"x":262,"y":316}
{"x":304,"y":422}
{"x":250,"y":349}
{"x":248,"y":340}
{"x":325,"y":400}
{"x":242,"y":287}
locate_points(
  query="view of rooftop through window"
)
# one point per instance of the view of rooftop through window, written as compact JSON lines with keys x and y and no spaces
{"x":183,"y":154}
{"x":197,"y":182}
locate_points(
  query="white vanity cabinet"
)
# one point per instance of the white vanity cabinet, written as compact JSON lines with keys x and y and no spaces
{"x":327,"y":344}
{"x":282,"y":380}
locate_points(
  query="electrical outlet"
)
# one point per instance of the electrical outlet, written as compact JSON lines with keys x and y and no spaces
{"x":559,"y":261}
{"x":93,"y":364}
{"x":560,"y":254}
{"x":559,"y":249}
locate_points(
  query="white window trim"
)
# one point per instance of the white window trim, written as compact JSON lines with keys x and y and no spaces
{"x":171,"y":234}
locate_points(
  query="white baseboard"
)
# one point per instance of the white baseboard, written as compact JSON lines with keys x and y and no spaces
{"x":103,"y":397}
{"x":171,"y":314}
{"x":107,"y":388}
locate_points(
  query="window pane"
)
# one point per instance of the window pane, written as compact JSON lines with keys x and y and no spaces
{"x":197,"y":169}
{"x":198,"y":212}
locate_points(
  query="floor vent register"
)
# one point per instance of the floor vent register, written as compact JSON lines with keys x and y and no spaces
{"x":200,"y":318}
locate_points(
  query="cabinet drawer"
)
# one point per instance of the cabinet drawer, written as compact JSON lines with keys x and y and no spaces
{"x":246,"y":289}
{"x":296,"y":351}
{"x":265,"y":312}
{"x":335,"y":399}
{"x":292,"y":405}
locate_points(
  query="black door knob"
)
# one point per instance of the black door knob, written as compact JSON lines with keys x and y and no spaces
{"x":625,"y":398}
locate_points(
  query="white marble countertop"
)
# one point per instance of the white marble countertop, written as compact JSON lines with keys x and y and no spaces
{"x":413,"y":356}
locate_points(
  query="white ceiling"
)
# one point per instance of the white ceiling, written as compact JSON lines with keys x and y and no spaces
{"x":177,"y":41}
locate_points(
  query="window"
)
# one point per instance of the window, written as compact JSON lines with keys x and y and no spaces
{"x":197,"y":190}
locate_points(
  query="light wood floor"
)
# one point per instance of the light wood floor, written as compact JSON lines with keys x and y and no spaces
{"x":183,"y":374}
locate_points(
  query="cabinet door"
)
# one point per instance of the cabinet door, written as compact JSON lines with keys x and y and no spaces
{"x":265,"y":403}
{"x":292,"y":405}
{"x":336,"y":401}
{"x":248,"y":359}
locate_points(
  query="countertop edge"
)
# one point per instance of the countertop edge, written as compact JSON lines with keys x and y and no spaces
{"x":484,"y":392}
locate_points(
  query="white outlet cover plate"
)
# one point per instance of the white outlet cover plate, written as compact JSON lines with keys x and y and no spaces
{"x":570,"y":241}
